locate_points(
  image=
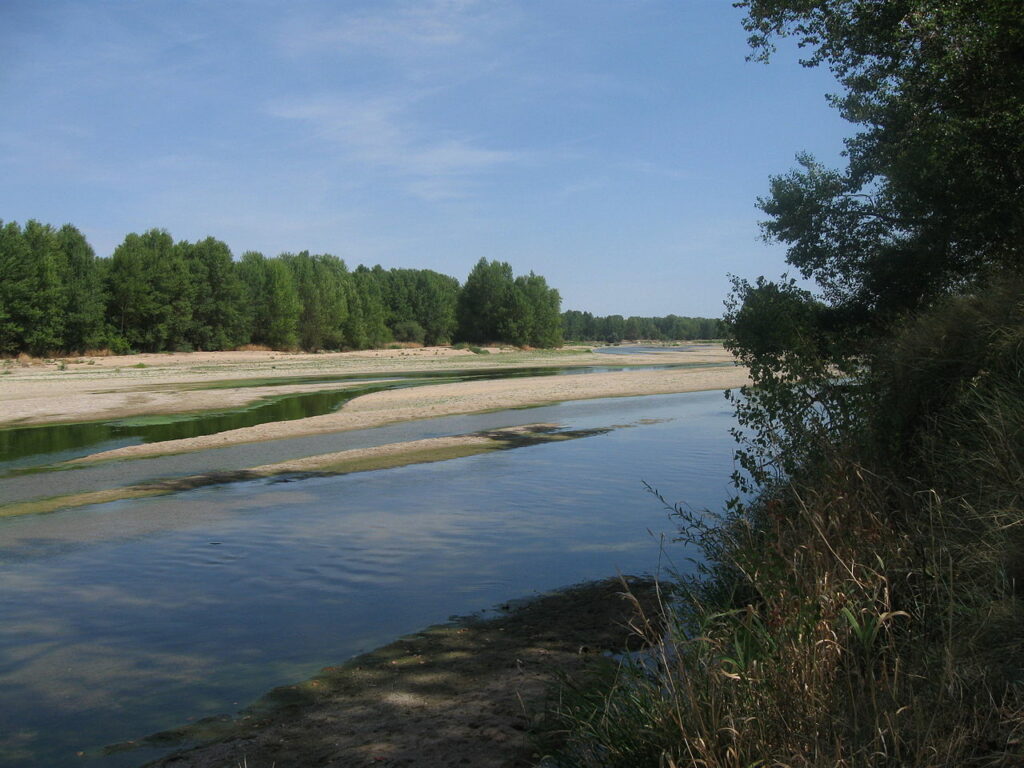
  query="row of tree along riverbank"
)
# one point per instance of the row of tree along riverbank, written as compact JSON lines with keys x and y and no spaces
{"x":154,"y":294}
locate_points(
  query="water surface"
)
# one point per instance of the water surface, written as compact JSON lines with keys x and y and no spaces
{"x":128,"y":618}
{"x":639,"y":349}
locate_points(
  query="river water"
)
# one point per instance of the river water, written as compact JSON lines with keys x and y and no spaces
{"x":127,"y":618}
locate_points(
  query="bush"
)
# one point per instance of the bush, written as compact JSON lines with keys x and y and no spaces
{"x":409,"y":330}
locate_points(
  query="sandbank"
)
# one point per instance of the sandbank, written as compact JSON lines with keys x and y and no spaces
{"x":100,"y":388}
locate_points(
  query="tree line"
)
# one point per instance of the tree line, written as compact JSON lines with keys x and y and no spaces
{"x":583,"y":326}
{"x":154,"y":294}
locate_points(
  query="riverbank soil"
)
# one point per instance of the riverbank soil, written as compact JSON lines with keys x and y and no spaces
{"x":464,"y":694}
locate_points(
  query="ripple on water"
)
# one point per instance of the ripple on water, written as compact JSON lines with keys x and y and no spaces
{"x":132,"y":609}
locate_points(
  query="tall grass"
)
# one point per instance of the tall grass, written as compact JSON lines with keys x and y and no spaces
{"x":865,"y":613}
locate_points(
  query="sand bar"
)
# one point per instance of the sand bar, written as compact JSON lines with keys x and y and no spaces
{"x":78,"y":389}
{"x":392,"y":406}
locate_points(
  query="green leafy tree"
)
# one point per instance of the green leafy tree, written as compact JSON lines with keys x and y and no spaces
{"x":218,"y":316}
{"x":17,"y":309}
{"x":577,"y":325}
{"x":366,"y":292}
{"x":85,"y":297}
{"x":273,"y":299}
{"x":542,"y":307}
{"x":435,"y":305}
{"x":931,"y":203}
{"x":484,"y":302}
{"x":420,"y":296}
{"x":494,"y":306}
{"x":44,"y":331}
{"x":322,"y":284}
{"x":933,"y":193}
{"x":150,"y":292}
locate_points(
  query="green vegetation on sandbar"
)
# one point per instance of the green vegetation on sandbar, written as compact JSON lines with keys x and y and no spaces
{"x":860,"y":602}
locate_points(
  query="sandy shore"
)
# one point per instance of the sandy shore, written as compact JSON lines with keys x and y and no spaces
{"x":392,"y":406}
{"x":100,"y":388}
{"x":160,"y":384}
{"x":340,"y":462}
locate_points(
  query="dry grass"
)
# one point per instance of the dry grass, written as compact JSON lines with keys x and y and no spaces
{"x":253,"y":348}
{"x":831,"y":633}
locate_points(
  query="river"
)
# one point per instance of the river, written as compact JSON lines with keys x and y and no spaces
{"x":127,"y":618}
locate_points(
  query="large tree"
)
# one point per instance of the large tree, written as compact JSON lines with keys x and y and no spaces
{"x":931,"y":202}
{"x":150,"y":292}
{"x":542,"y":305}
{"x":322,"y":283}
{"x":272,"y":300}
{"x":484,"y":302}
{"x":933,"y":193}
{"x":17,"y":310}
{"x":495,"y":306}
{"x":85,"y":299}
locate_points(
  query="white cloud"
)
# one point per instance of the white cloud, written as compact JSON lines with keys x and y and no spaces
{"x":404,"y":29}
{"x":381,"y":133}
{"x":394,"y":121}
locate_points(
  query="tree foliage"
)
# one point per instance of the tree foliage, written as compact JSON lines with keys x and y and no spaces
{"x":932,"y":197}
{"x":154,"y":295}
{"x":421,"y":298}
{"x":930,"y":204}
{"x":583,"y":326}
{"x":495,"y":306}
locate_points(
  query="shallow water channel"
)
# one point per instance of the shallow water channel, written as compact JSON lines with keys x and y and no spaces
{"x":127,"y":618}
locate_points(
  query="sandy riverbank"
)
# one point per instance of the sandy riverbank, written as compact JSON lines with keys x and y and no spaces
{"x":336,"y":463}
{"x":392,"y":406}
{"x":187,"y":383}
{"x":100,"y":388}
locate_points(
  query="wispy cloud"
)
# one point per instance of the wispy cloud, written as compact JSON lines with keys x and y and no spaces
{"x":404,"y":28}
{"x":394,"y":120}
{"x":381,"y":133}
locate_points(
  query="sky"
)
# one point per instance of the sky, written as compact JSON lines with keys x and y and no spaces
{"x":616,"y":147}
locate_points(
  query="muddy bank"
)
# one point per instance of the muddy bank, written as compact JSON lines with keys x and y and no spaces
{"x":466,"y":693}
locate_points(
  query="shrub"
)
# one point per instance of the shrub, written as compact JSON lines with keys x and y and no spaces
{"x":409,"y":330}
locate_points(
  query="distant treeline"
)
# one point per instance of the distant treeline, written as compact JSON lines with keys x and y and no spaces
{"x":155,"y":295}
{"x":583,"y":326}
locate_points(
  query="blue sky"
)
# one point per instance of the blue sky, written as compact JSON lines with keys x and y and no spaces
{"x":615,"y":147}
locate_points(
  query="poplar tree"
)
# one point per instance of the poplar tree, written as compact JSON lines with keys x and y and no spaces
{"x":85,"y":297}
{"x":16,"y":289}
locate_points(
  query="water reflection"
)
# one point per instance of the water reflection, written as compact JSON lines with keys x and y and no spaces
{"x":127,"y":618}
